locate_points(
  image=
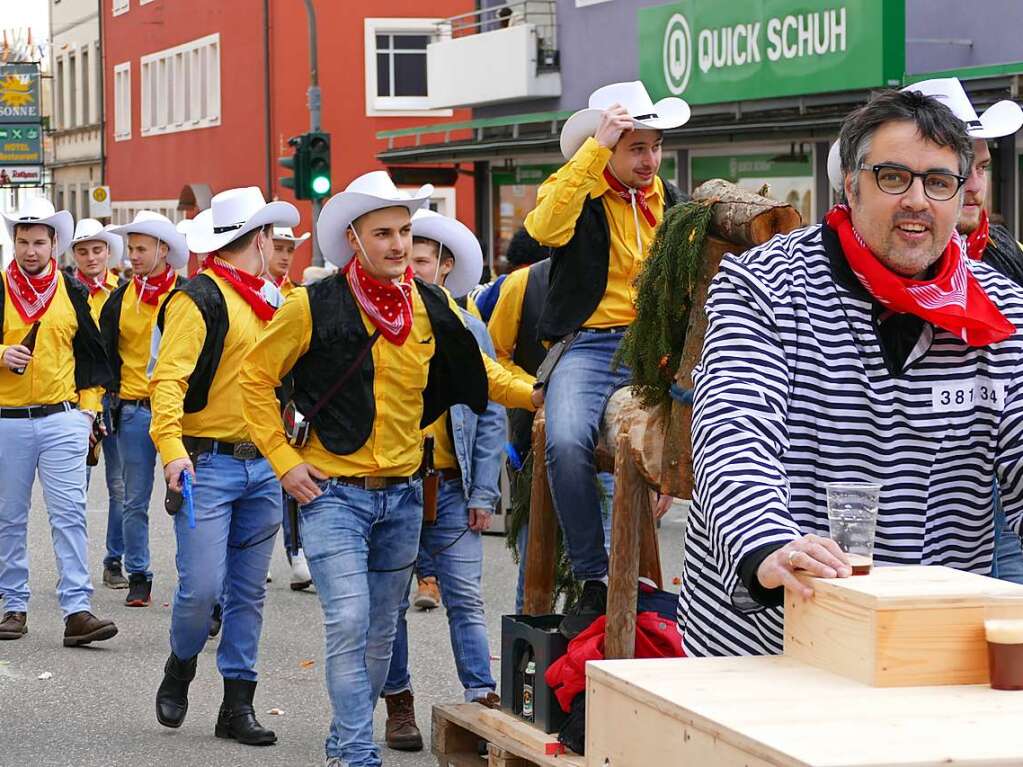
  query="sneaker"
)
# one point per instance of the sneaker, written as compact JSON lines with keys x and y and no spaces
{"x":84,"y":627}
{"x":401,"y":732}
{"x":427,"y":594}
{"x":300,"y":577}
{"x":113,"y":578}
{"x":592,"y":604}
{"x":13,"y":626}
{"x":140,"y":591}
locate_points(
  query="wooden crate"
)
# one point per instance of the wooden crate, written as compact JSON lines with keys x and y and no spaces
{"x":774,"y":711}
{"x":458,"y":730}
{"x":900,"y":626}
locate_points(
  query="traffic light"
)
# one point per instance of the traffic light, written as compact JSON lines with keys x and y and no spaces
{"x":317,"y":154}
{"x":297,"y":164}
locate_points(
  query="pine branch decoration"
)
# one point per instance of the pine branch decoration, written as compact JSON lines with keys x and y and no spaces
{"x":652,"y":346}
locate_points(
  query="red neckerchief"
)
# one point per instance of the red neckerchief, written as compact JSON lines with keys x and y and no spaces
{"x":627,"y":193}
{"x":953,"y":299}
{"x":247,"y":285}
{"x":32,"y":294}
{"x":149,"y":289}
{"x":976,"y":241}
{"x":388,"y":304}
{"x":94,"y":285}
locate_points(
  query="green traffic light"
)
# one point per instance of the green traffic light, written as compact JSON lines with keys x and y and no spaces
{"x":321,"y":184}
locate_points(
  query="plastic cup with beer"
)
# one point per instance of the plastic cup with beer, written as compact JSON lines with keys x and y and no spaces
{"x":852,"y":518}
{"x":1005,"y":652}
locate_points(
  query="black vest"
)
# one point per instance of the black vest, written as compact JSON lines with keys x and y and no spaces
{"x":212,"y":305}
{"x":529,"y":352}
{"x":1003,"y":254}
{"x":457,"y":374}
{"x":110,"y":329}
{"x":91,"y":368}
{"x":579,"y":269}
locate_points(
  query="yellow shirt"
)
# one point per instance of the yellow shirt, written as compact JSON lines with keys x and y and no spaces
{"x":443,"y":449}
{"x":97,"y":300}
{"x":559,"y":202}
{"x":50,"y":377}
{"x":184,"y":333}
{"x":505,"y":321}
{"x":286,"y":286}
{"x":134,"y":342}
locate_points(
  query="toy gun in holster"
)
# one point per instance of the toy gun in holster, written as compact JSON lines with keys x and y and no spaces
{"x":291,"y":509}
{"x":431,"y":482}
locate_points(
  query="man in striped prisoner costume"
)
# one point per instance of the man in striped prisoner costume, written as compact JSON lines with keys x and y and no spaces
{"x":868,"y":348}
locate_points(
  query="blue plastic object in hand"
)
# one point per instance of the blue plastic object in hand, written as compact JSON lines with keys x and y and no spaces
{"x":186,"y":494}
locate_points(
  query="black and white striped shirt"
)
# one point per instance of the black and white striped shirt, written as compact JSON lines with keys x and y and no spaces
{"x":793,"y":391}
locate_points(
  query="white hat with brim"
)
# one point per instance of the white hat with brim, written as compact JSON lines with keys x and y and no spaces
{"x":456,"y":237}
{"x":670,"y":112}
{"x":369,"y":192}
{"x":288,"y":234}
{"x":91,"y":230}
{"x":39,"y":211}
{"x":234,"y":213}
{"x":1003,"y":118}
{"x":162,"y":229}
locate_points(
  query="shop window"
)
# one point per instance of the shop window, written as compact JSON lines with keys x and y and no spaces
{"x":788,"y":175}
{"x":396,"y":81}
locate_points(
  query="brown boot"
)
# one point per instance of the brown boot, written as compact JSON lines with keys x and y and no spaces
{"x":490,"y":700}
{"x":427,"y":594}
{"x":401,"y":732}
{"x":13,"y":626}
{"x":84,"y":627}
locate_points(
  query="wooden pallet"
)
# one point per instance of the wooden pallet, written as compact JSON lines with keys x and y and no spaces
{"x":458,"y":729}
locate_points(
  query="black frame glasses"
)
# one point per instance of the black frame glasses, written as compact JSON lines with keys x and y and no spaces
{"x":902,"y":186}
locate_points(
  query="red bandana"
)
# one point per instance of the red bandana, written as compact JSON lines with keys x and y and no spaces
{"x":976,"y":241}
{"x":247,"y":285}
{"x":388,"y":304}
{"x":32,"y":294}
{"x":628,"y":193}
{"x":953,"y":299}
{"x":149,"y":289}
{"x":94,"y":285}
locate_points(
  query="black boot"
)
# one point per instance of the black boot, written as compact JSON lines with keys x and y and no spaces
{"x":237,"y":718}
{"x":172,"y":695}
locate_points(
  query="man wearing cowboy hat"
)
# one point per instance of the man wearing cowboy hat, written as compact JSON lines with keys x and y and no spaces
{"x":285,"y":243}
{"x":599,"y":213}
{"x":49,"y":396}
{"x":155,"y":249}
{"x":94,"y":249}
{"x":226,"y":539}
{"x":468,"y":453}
{"x":375,"y":356}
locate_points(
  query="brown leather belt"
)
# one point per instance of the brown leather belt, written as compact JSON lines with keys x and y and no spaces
{"x":374,"y":483}
{"x":138,"y":402}
{"x":243,"y":451}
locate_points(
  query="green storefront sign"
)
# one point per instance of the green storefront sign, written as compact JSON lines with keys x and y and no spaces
{"x":21,"y":144}
{"x":708,"y":51}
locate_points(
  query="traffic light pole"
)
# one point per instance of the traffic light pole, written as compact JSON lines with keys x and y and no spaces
{"x":314,"y":115}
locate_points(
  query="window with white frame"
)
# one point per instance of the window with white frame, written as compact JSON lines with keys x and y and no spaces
{"x":181,"y":87}
{"x":120,"y":6}
{"x":122,"y":101}
{"x":124,"y":212}
{"x":396,"y":81}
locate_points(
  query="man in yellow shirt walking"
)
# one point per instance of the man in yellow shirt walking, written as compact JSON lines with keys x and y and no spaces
{"x":599,"y":213}
{"x":50,"y":392}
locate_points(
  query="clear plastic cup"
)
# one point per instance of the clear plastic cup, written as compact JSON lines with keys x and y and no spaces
{"x":1005,"y":653}
{"x":852,"y":517}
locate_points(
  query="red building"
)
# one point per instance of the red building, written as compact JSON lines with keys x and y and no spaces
{"x":201,"y":97}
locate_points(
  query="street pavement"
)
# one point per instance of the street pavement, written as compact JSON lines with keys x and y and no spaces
{"x":97,"y":707}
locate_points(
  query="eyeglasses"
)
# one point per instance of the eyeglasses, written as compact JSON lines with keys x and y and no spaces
{"x":897,"y":179}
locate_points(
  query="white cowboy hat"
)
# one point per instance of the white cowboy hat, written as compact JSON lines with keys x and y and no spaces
{"x":39,"y":210}
{"x":314,"y":273}
{"x":1002,"y":118}
{"x":369,"y":192}
{"x":670,"y":112}
{"x":184,"y":225}
{"x":161,"y":228}
{"x":234,"y":213}
{"x":460,"y":241}
{"x":287,"y":233}
{"x":89,"y":229}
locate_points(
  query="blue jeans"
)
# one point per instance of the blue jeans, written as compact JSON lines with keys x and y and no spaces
{"x":55,"y":446}
{"x":237,"y":514}
{"x":138,"y":461}
{"x":457,"y":554}
{"x":1008,"y":561}
{"x":361,"y":546}
{"x":607,"y":482}
{"x":115,"y":490}
{"x":577,"y":394}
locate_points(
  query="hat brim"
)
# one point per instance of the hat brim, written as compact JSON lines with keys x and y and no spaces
{"x":835,"y":176}
{"x":672,"y":112}
{"x":1000,"y":119}
{"x":62,"y":223}
{"x":165,"y":232}
{"x":202,"y":239}
{"x":114,"y":241}
{"x":297,"y":240}
{"x":464,"y":246}
{"x":343,"y":208}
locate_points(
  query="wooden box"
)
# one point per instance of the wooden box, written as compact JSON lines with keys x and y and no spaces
{"x":900,"y":626}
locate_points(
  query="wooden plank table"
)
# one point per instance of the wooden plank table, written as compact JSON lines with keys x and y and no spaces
{"x":750,"y":712}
